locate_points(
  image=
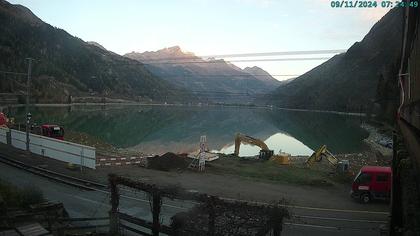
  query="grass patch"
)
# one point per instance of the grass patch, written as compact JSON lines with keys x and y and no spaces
{"x":101,"y":146}
{"x":267,"y":170}
{"x":88,"y":140}
{"x":13,"y":197}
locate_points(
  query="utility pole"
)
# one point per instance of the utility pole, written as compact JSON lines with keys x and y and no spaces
{"x":28,"y":89}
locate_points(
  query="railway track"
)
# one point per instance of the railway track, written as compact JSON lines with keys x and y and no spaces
{"x":95,"y":186}
{"x":322,"y":220}
{"x":65,"y":179}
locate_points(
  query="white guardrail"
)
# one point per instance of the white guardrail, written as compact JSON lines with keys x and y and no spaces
{"x":3,"y":135}
{"x":52,"y":148}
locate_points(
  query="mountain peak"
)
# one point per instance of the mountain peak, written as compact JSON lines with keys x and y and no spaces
{"x":96,"y":44}
{"x":21,"y":12}
{"x":59,"y":71}
{"x":169,"y":53}
{"x":186,"y":70}
{"x":174,"y":51}
{"x":261,"y":74}
{"x":254,"y":69}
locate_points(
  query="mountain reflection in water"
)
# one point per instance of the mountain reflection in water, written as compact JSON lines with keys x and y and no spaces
{"x":158,"y":129}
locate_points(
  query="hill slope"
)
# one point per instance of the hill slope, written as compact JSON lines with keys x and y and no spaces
{"x":360,"y":78}
{"x":217,"y":80}
{"x":67,"y":65}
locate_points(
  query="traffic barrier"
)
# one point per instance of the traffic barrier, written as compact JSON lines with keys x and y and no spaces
{"x":120,"y":161}
{"x":53,"y":148}
{"x":3,"y":135}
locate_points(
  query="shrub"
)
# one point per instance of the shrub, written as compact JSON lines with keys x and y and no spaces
{"x":11,"y":196}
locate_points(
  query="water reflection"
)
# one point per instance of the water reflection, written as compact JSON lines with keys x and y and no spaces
{"x":178,"y":129}
{"x":277,"y":142}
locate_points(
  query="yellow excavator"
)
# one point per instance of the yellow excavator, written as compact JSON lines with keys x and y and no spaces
{"x":322,"y":152}
{"x":265,"y":152}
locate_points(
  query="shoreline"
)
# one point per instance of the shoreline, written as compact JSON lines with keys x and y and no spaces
{"x":183,"y":105}
{"x":374,"y":139}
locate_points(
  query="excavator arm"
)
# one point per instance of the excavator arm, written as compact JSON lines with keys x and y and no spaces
{"x":319,"y":154}
{"x":241,"y":138}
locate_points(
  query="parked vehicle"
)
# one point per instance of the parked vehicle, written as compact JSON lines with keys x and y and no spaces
{"x":3,"y":120}
{"x":48,"y":130}
{"x":372,"y":182}
{"x":52,"y":131}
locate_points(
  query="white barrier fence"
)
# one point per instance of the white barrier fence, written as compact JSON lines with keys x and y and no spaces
{"x":53,"y":148}
{"x":3,"y":135}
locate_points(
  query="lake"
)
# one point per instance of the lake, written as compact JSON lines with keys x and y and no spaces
{"x":159,"y":129}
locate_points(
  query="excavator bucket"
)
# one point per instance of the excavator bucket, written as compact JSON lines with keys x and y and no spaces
{"x":322,"y":152}
{"x":316,"y":156}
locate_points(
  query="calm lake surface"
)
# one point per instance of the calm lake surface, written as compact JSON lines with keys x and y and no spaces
{"x":158,"y":129}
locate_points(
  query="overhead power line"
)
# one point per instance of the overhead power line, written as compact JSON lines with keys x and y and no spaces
{"x":205,"y":93}
{"x":254,"y":54}
{"x":246,"y":60}
{"x":285,"y":59}
{"x":221,"y":93}
{"x":134,"y":62}
{"x":198,"y":60}
{"x":259,"y":54}
{"x":225,"y":75}
{"x":13,"y":73}
{"x":13,"y":80}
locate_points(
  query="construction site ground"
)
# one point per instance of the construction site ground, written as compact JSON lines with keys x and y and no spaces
{"x":259,"y":182}
{"x":233,"y":177}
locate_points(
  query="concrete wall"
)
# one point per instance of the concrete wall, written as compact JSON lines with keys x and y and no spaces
{"x":53,"y":148}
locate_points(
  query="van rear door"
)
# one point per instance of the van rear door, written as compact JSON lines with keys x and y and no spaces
{"x":382,"y":185}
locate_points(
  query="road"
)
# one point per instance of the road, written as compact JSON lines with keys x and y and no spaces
{"x":304,"y":220}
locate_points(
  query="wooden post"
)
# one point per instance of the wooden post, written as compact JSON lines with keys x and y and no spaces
{"x":277,"y":227}
{"x":399,"y":153}
{"x":9,"y":137}
{"x":156,"y":212}
{"x":276,"y":220}
{"x":114,"y":228}
{"x":212,"y":216}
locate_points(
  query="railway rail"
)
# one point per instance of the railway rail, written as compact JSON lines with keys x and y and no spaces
{"x":322,"y":220}
{"x":65,"y":179}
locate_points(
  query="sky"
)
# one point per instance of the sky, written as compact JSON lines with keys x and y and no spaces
{"x":213,"y":27}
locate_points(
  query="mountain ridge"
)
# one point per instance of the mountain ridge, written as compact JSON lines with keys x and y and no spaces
{"x":185,"y":69}
{"x":66,"y":65}
{"x":353,"y":81}
{"x":97,"y":45}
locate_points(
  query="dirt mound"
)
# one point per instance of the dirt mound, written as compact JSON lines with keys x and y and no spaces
{"x":168,"y":161}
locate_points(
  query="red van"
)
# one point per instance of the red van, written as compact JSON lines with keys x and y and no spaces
{"x":52,"y":131}
{"x":372,"y":182}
